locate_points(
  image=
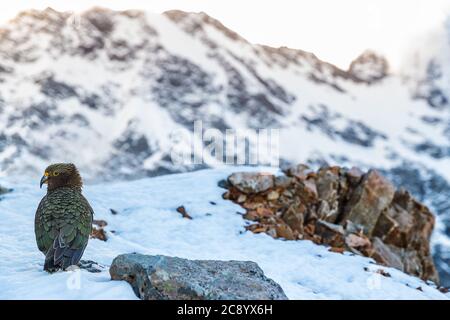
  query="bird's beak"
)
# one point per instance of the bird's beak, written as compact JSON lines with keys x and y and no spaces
{"x":44,"y":180}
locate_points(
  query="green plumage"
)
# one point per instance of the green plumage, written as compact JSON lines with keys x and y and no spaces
{"x":63,"y":223}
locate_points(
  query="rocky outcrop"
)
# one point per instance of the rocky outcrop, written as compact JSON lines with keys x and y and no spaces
{"x":369,"y":67}
{"x":171,"y":278}
{"x":343,"y":208}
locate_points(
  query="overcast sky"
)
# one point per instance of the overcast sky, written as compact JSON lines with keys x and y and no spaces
{"x":335,"y":30}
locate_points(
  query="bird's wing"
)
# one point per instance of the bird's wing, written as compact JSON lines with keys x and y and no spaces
{"x":73,"y":236}
{"x":42,"y":229}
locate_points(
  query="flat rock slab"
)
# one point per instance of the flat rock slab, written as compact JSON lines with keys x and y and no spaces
{"x":252,"y":182}
{"x":170,"y":278}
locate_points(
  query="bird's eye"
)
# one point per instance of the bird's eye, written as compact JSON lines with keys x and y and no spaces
{"x":56,"y":173}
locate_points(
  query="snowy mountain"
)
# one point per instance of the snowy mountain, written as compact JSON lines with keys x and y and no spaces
{"x":108,"y":90}
{"x":144,"y":219}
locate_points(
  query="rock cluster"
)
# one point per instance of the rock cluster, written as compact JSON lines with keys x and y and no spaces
{"x":343,"y":208}
{"x":172,"y":278}
{"x":98,"y":231}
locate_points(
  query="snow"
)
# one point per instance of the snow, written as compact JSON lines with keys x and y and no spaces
{"x":148,"y":223}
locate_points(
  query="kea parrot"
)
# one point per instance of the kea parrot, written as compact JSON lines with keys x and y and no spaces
{"x":63,"y":220}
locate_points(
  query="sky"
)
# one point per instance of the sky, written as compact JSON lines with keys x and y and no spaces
{"x":335,"y":30}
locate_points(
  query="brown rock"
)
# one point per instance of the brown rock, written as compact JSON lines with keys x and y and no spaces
{"x":264,"y":212}
{"x":354,"y":175}
{"x":251,"y":215}
{"x":401,"y":231}
{"x":283,"y":231}
{"x":327,"y":184}
{"x":412,"y":263}
{"x":357,"y":242}
{"x":242,"y":198}
{"x":294,"y":218}
{"x":419,"y":222}
{"x":351,"y":227}
{"x":391,"y":227}
{"x":98,"y":234}
{"x":306,"y":191}
{"x":337,"y":249}
{"x":327,"y":188}
{"x":273,"y":195}
{"x":324,"y":212}
{"x":299,"y":171}
{"x":385,"y":224}
{"x":331,"y":234}
{"x":369,"y":199}
{"x":183,"y":212}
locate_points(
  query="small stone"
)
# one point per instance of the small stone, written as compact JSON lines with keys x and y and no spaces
{"x":273,"y":195}
{"x":272,"y":232}
{"x":91,"y":266}
{"x":354,"y":241}
{"x":242,"y":198}
{"x":283,"y":231}
{"x":251,"y":215}
{"x":223,"y":184}
{"x":100,"y":223}
{"x":384,"y":273}
{"x":294,"y":218}
{"x":264,"y":212}
{"x":351,"y":227}
{"x":299,"y":171}
{"x":4,"y":190}
{"x":99,"y":234}
{"x":310,"y":186}
{"x":337,"y":249}
{"x":184,"y":214}
{"x":288,"y":194}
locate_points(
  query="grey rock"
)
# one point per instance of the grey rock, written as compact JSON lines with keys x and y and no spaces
{"x":328,"y":188}
{"x":4,"y":190}
{"x":283,"y":181}
{"x":300,"y":170}
{"x":383,"y":254}
{"x":91,"y":266}
{"x":171,"y":278}
{"x":252,"y":182}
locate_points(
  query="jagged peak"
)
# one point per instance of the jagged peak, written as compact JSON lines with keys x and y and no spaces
{"x":369,"y":67}
{"x":194,"y":22}
{"x":51,"y":15}
{"x":48,"y":14}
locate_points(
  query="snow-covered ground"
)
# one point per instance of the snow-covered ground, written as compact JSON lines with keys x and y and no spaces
{"x":148,"y":223}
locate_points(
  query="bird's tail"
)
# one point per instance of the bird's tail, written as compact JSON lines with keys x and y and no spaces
{"x":61,"y":256}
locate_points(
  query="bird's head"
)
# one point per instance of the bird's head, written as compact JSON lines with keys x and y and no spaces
{"x":61,"y":175}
